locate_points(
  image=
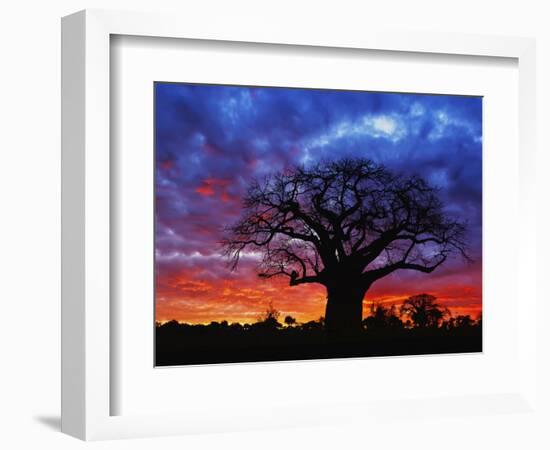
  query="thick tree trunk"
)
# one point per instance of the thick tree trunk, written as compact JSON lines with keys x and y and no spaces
{"x":344,"y":310}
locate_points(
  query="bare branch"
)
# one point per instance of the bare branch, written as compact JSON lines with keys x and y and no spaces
{"x":350,"y":216}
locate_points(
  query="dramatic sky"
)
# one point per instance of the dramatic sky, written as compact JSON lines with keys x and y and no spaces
{"x":212,"y":140}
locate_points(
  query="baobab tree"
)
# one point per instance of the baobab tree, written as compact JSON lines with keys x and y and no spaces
{"x":345,"y":225}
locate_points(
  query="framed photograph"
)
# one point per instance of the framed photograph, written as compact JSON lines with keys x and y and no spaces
{"x":253,"y":207}
{"x":298,"y":223}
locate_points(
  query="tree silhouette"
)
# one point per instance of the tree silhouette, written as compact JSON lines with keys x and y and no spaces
{"x":270,"y":318}
{"x":464,"y":321}
{"x":270,"y":313}
{"x":345,"y":225}
{"x":424,"y":311}
{"x":382,"y":317}
{"x":290,"y":321}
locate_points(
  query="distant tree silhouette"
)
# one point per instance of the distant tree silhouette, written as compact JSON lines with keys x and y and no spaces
{"x":313,"y":325}
{"x":382,"y":317}
{"x":236,"y":326}
{"x":270,"y":313}
{"x":172,"y":324}
{"x":290,"y":321}
{"x":270,"y":318}
{"x":345,"y":225}
{"x":424,"y":311}
{"x":464,"y":321}
{"x":183,"y":343}
{"x":448,"y":324}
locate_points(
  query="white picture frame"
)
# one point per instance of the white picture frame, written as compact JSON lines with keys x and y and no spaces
{"x":86,"y":246}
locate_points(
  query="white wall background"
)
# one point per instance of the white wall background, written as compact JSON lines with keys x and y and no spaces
{"x":29,"y":229}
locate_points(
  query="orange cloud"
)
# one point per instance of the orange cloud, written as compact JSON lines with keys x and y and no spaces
{"x":240,"y":299}
{"x":190,"y":296}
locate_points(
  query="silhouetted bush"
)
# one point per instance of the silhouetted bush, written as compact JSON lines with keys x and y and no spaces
{"x":290,"y":321}
{"x":426,"y":329}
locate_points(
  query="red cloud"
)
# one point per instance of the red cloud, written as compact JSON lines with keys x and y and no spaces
{"x":205,"y":189}
{"x":216,"y":187}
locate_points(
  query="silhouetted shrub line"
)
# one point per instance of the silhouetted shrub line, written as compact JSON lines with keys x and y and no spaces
{"x":428,"y":329}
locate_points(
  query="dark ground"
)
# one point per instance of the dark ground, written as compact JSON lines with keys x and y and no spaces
{"x":182,"y":344}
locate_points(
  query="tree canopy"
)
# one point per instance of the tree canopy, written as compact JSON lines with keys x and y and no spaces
{"x":346,"y":219}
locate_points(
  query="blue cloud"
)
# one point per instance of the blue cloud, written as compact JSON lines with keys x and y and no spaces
{"x":210,"y":140}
